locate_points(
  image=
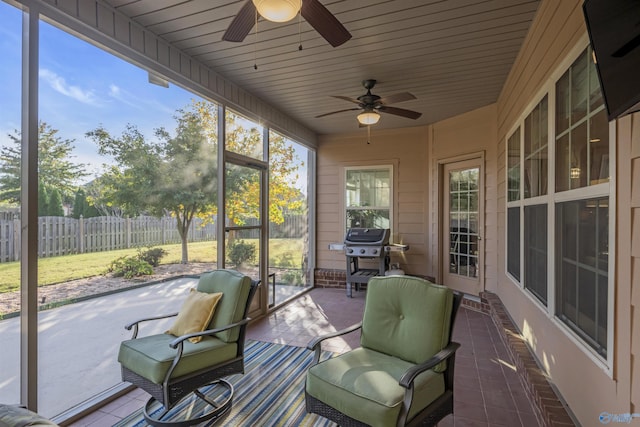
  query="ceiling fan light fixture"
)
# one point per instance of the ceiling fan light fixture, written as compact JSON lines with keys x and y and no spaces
{"x":278,"y":10}
{"x":368,"y":118}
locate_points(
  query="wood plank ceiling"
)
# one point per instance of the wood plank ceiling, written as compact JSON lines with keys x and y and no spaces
{"x":453,"y":55}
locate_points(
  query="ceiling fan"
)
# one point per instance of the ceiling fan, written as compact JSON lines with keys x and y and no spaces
{"x":371,"y":104}
{"x":312,"y":11}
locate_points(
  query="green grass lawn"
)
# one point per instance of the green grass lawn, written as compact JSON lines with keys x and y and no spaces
{"x":70,"y":267}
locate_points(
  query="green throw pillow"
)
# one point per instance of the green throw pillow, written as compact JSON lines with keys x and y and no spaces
{"x":195,"y":314}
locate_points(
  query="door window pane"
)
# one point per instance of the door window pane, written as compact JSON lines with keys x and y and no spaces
{"x":582,"y":262}
{"x":463,"y":222}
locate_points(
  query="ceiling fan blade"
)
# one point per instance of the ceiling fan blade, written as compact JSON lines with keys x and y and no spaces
{"x":400,"y":112}
{"x":398,"y":97}
{"x":336,"y":112}
{"x":324,"y":22}
{"x":241,"y":24}
{"x":346,"y":98}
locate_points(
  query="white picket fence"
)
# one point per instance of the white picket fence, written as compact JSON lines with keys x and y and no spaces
{"x":64,"y":236}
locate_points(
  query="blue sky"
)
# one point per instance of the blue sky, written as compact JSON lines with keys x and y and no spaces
{"x":83,"y":87}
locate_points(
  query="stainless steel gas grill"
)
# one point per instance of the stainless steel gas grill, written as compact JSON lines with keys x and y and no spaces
{"x":365,"y":243}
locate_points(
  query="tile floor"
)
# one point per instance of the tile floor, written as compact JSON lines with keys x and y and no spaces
{"x":488,"y":391}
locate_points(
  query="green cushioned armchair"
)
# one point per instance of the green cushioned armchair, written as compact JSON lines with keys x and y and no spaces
{"x":402,"y":374}
{"x":171,"y":368}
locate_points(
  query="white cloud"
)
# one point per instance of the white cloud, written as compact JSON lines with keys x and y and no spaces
{"x":60,"y":85}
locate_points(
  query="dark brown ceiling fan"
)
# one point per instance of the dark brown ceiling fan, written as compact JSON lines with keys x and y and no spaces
{"x":312,"y":11}
{"x":371,"y":104}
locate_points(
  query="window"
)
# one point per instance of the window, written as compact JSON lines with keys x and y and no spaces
{"x":368,"y":197}
{"x":575,"y":208}
{"x":582,"y":263}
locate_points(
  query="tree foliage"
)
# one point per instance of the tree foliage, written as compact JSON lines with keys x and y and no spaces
{"x":174,"y":174}
{"x":56,"y":170}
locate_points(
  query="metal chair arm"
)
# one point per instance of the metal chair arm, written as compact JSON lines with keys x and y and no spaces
{"x":314,"y":344}
{"x":407,"y":378}
{"x":174,"y":344}
{"x":135,"y":324}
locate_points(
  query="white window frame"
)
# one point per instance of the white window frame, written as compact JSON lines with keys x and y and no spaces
{"x":390,"y":169}
{"x":551,"y":200}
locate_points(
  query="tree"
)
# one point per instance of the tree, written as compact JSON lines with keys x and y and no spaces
{"x":55,"y":169}
{"x":175,"y":174}
{"x":43,"y":200}
{"x":55,"y":207}
{"x":82,"y":207}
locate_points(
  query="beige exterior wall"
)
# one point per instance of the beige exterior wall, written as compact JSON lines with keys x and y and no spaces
{"x":470,"y":135}
{"x":408,"y":151}
{"x":589,"y":385}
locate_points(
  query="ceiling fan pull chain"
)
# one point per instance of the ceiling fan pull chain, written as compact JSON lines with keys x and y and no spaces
{"x":255,"y":45}
{"x":368,"y":134}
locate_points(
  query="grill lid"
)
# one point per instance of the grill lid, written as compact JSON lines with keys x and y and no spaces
{"x":367,"y":236}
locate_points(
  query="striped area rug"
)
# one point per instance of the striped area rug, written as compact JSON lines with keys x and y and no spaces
{"x":270,"y":393}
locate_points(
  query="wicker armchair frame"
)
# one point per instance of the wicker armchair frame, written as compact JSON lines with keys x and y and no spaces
{"x":173,"y":390}
{"x":430,"y":415}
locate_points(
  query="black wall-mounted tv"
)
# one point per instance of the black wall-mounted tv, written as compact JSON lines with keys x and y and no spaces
{"x":614,"y":31}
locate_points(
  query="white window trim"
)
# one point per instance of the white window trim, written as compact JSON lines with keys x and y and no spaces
{"x":390,"y":167}
{"x":552,"y":199}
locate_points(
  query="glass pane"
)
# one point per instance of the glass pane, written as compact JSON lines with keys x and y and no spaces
{"x":242,"y":209}
{"x":563,"y":103}
{"x":368,"y":218}
{"x":582,"y":253}
{"x":243,"y":136}
{"x":289,"y":269}
{"x":463,"y":237}
{"x":145,"y":215}
{"x":579,"y":88}
{"x":563,"y":161}
{"x":535,"y":154}
{"x":595,"y":94}
{"x":535,"y":250}
{"x":578,"y":164}
{"x":513,"y":242}
{"x":599,"y":148}
{"x":10,"y":137}
{"x":513,"y":167}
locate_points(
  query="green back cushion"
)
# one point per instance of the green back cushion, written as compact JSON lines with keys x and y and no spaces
{"x":235,"y":288}
{"x":406,"y":317}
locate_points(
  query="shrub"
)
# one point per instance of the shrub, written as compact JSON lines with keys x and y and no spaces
{"x":292,"y":278}
{"x":240,"y":252}
{"x":129,"y":267}
{"x":152,"y":255}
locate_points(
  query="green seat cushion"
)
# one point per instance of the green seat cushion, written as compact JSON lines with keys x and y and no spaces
{"x":235,"y":288}
{"x":363,"y":384}
{"x":151,"y":357}
{"x":406,"y":317}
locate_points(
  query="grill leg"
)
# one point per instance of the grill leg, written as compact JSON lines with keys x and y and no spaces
{"x":349,"y":292}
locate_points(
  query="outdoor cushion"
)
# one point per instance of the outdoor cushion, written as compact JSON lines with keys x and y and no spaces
{"x":413,"y":324}
{"x":151,"y":357}
{"x":195,"y":314}
{"x":363,"y":384}
{"x":15,"y":416}
{"x":235,"y":286}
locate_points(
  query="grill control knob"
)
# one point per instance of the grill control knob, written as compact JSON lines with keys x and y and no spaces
{"x":374,"y":251}
{"x":350,"y":251}
{"x":362,"y":250}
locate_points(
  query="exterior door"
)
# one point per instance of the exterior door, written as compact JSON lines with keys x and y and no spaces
{"x":462,"y":224}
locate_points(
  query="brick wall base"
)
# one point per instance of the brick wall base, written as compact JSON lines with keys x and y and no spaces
{"x":549,"y":408}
